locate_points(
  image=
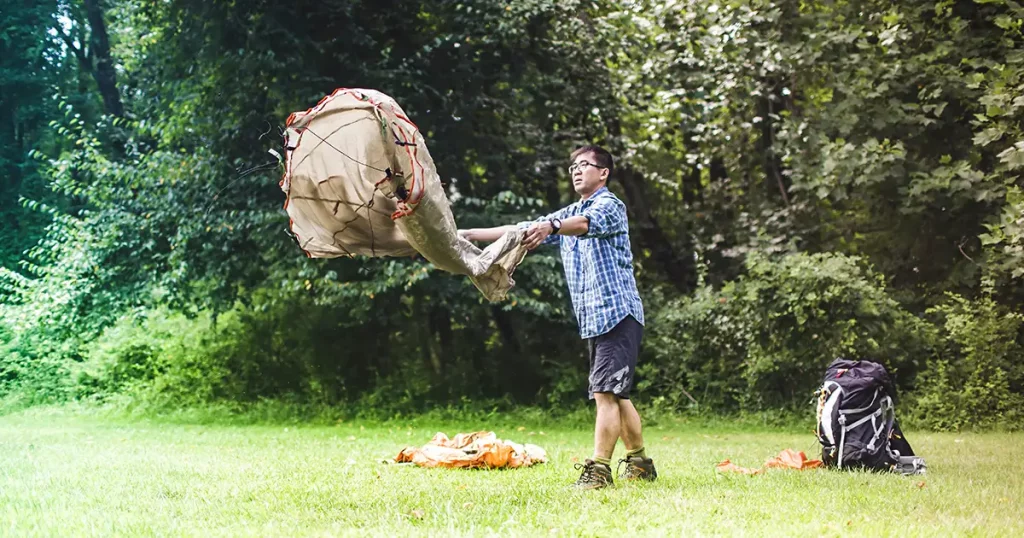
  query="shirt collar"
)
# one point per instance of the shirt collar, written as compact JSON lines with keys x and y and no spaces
{"x":599,"y":192}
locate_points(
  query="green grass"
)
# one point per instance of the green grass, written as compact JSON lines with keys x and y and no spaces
{"x":65,"y":474}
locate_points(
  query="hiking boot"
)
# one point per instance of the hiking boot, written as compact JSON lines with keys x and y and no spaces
{"x":595,"y":475}
{"x":638,"y":468}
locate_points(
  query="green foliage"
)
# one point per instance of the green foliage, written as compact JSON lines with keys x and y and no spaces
{"x":147,"y":255}
{"x":35,"y":370}
{"x":295,"y":350}
{"x":30,"y":72}
{"x":763,"y":340}
{"x":1005,"y":239}
{"x":977,"y":381}
{"x":157,"y":357}
{"x":902,"y":121}
{"x":51,"y":313}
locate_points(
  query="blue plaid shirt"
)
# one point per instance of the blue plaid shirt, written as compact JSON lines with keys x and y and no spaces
{"x":599,"y":264}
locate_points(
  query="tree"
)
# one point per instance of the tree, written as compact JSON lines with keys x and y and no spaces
{"x":85,"y":35}
{"x":30,"y":70}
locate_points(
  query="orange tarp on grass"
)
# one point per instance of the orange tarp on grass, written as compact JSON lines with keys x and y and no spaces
{"x":730,"y":467}
{"x":787,"y":459}
{"x":792,"y":459}
{"x":472,"y":450}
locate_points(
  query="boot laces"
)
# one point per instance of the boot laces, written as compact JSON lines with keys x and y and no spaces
{"x":629,"y":466}
{"x":588,"y":471}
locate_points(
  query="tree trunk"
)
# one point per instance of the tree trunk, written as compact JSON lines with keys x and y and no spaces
{"x":441,"y":326}
{"x":428,"y":345}
{"x":679,"y":266}
{"x":693,"y":189}
{"x":99,"y":44}
{"x":772,"y":162}
{"x":507,"y":331}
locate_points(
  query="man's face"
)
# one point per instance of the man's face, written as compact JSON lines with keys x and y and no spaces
{"x":586,"y":175}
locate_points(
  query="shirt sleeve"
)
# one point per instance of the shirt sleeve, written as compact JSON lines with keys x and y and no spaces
{"x":607,"y":217}
{"x":551,"y":239}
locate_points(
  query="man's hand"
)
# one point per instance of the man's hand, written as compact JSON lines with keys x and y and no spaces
{"x":467,"y":235}
{"x":538,"y":232}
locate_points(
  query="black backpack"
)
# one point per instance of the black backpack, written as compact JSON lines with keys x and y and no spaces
{"x":857,"y":425}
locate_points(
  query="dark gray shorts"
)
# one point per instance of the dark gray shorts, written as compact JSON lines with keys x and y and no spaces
{"x":613,"y":358}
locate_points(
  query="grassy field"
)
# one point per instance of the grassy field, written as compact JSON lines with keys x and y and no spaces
{"x":68,"y":475}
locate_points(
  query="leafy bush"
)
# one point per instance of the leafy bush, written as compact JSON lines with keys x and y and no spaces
{"x":289,"y":352}
{"x":292,"y":349}
{"x":978,"y":379}
{"x":55,"y":305}
{"x":155,"y":355}
{"x":763,"y":340}
{"x":35,"y":369}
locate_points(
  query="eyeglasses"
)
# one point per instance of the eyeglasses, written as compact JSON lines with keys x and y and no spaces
{"x":582,"y":165}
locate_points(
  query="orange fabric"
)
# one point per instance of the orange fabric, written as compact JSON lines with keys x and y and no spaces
{"x":730,"y":467}
{"x":787,"y":459}
{"x":792,"y":459}
{"x":472,"y":450}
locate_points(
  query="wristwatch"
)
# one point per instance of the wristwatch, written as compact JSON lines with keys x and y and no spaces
{"x":556,"y":224}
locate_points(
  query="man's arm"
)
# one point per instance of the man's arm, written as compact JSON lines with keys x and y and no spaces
{"x":607,"y":218}
{"x":493,"y":234}
{"x":539,"y":231}
{"x":487,"y":234}
{"x":578,"y":225}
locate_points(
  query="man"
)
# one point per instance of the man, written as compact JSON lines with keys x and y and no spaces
{"x":593,"y":235}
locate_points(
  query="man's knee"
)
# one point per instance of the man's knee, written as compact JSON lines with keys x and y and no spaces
{"x":606,"y":399}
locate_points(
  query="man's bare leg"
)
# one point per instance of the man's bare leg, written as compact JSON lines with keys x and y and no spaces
{"x":630,"y":428}
{"x":638,"y":465}
{"x":608,"y":426}
{"x":597,"y":471}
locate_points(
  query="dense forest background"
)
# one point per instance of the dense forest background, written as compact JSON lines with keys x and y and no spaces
{"x":804,"y":180}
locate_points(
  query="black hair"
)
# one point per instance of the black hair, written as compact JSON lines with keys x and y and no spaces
{"x":601,"y":155}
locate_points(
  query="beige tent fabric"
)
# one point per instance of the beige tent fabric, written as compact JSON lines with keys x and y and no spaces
{"x":472,"y":450}
{"x":360,"y":181}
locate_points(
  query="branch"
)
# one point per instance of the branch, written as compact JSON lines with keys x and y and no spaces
{"x":83,"y":58}
{"x":960,"y":246}
{"x":771,"y":148}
